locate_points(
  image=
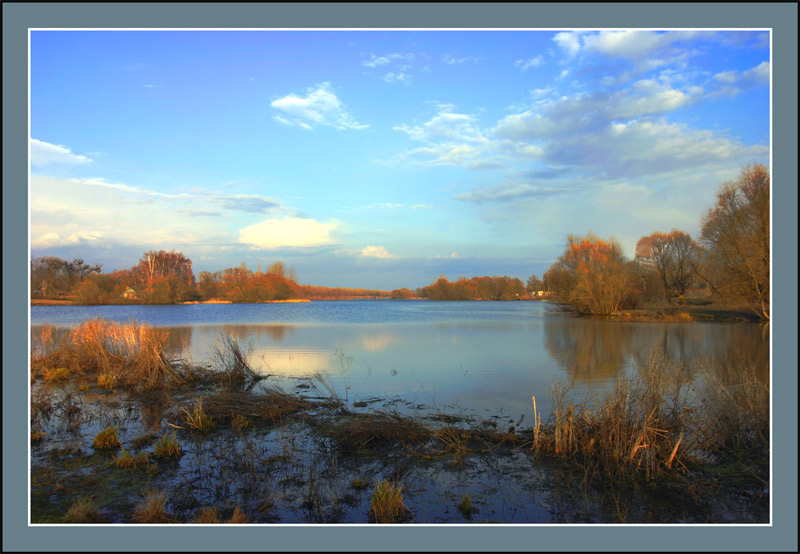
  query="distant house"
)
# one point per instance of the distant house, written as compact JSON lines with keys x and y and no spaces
{"x":129,"y":294}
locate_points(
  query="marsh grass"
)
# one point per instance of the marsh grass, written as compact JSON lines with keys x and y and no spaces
{"x":107,"y":439}
{"x":655,"y":422}
{"x":197,"y":418}
{"x":152,"y":509}
{"x":380,"y":430}
{"x":126,"y":461}
{"x":386,"y":504}
{"x":736,"y":413}
{"x":238,"y":516}
{"x":271,"y":405}
{"x":83,"y":510}
{"x":465,"y":506}
{"x":167,"y":447}
{"x":56,"y":374}
{"x":207,"y":515}
{"x":232,"y":363}
{"x":133,"y":352}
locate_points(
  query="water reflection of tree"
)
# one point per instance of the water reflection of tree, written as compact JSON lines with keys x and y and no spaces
{"x":179,"y":341}
{"x":244,"y":332}
{"x":593,"y":350}
{"x":589,"y":350}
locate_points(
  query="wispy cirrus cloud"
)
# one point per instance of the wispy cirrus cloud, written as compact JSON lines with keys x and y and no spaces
{"x":387,"y":59}
{"x":43,"y":153}
{"x":507,"y":192}
{"x":524,"y":65}
{"x":320,"y":106}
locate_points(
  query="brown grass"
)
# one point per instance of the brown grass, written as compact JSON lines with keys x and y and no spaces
{"x":386,"y":504}
{"x":83,"y":510}
{"x":651,"y":424}
{"x":238,"y":516}
{"x":152,"y":509}
{"x":197,"y":418}
{"x":133,"y":352}
{"x":107,"y":439}
{"x":126,"y":461}
{"x":374,"y":431}
{"x":167,"y":447}
{"x":207,"y":515}
{"x":237,"y":407}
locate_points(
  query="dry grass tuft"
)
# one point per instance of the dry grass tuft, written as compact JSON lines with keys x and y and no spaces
{"x":386,"y":504}
{"x":83,"y":510}
{"x":238,"y":516}
{"x":107,"y":439}
{"x":167,"y":447}
{"x":198,"y":419}
{"x":152,"y":509}
{"x":126,"y":461}
{"x":56,"y":374}
{"x":207,"y":515}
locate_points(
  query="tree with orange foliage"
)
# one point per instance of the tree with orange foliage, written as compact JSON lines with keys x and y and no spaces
{"x":593,"y":276}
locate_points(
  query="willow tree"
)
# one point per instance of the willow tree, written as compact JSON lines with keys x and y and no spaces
{"x":736,"y":237}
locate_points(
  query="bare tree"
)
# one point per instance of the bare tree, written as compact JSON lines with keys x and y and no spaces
{"x":736,"y":237}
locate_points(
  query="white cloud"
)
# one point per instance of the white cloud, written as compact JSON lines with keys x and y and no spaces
{"x":449,"y":59}
{"x":44,"y":153}
{"x":377,"y":61}
{"x":569,"y":42}
{"x":524,"y":65}
{"x":98,"y":182}
{"x":733,"y":82}
{"x":319,"y":107}
{"x":399,"y":77}
{"x":288,"y":232}
{"x":54,"y":240}
{"x":376,"y":252}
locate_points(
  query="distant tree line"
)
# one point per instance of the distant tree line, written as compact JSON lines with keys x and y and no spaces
{"x":476,"y":288}
{"x":731,"y":260}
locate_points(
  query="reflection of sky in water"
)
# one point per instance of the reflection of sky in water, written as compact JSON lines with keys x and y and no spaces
{"x":484,"y":357}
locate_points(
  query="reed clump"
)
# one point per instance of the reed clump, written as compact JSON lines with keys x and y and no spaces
{"x":232,"y":363}
{"x":736,"y":413}
{"x":637,"y":430}
{"x":134,"y":353}
{"x":657,"y":422}
{"x":386,"y":504}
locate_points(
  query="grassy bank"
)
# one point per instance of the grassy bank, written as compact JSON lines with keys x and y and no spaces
{"x":123,"y":430}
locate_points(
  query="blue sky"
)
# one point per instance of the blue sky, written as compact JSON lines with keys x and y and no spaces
{"x":383,"y":159}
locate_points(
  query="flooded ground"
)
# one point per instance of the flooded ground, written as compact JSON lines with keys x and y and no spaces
{"x":437,"y":403}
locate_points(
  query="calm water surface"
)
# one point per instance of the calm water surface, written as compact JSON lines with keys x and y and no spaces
{"x":486,"y":358}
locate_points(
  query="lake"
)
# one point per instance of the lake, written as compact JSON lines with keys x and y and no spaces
{"x":481,"y":358}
